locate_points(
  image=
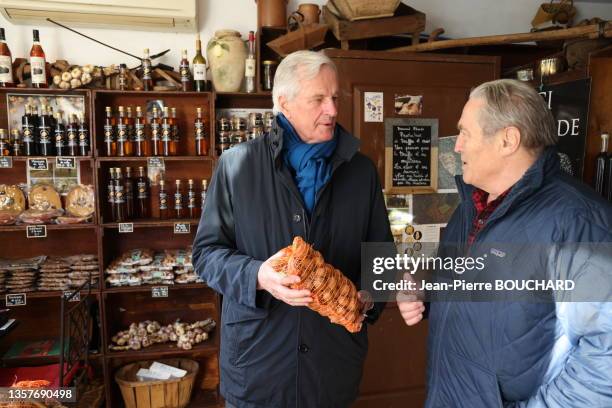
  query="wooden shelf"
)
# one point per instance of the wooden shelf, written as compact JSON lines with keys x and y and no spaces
{"x":145,"y":158}
{"x":41,"y":294}
{"x":151,"y":93}
{"x":50,"y":227}
{"x":153,"y":223}
{"x":39,"y":360}
{"x":25,"y":158}
{"x":147,"y":288}
{"x":161,"y":350}
{"x":245,"y":94}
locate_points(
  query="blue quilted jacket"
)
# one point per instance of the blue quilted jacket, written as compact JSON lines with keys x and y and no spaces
{"x":516,"y":351}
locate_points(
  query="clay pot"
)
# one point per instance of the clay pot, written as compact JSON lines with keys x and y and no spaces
{"x":271,"y":13}
{"x":226,"y":53}
{"x":310,"y":13}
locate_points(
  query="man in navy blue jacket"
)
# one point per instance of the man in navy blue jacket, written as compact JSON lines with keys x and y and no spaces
{"x":519,"y":352}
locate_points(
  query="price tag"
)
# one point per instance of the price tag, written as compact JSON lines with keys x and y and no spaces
{"x":65,"y":163}
{"x":126,"y":227}
{"x":39,"y":163}
{"x":36,"y":231}
{"x":75,"y":298}
{"x":182,"y":228}
{"x":16,"y":299}
{"x":159,"y":291}
{"x":6,"y":162}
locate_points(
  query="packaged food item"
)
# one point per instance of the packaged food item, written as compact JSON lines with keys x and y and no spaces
{"x":177,"y":257}
{"x":12,"y":199}
{"x":37,"y":216}
{"x":44,"y":197}
{"x":136,"y":257}
{"x":80,"y":201}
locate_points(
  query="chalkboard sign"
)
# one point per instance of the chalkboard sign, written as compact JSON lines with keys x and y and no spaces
{"x":38,"y":164}
{"x":159,"y":291}
{"x":36,"y":231}
{"x":16,"y":299}
{"x":182,"y":228}
{"x":6,"y":162}
{"x":65,"y":162}
{"x":411,"y":155}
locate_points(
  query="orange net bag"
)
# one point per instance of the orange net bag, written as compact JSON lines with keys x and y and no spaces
{"x":333,"y":294}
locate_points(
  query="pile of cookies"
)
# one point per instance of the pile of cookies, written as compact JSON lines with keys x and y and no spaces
{"x":145,"y":267}
{"x":20,"y":274}
{"x":82,"y":268}
{"x":68,"y":272}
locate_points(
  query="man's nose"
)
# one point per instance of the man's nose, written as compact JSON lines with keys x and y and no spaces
{"x":330,"y":108}
{"x":458,"y":145}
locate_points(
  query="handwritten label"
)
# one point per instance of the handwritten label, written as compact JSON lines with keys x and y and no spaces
{"x":411,"y":156}
{"x":126,"y":227}
{"x":36,"y":231}
{"x":159,"y":292}
{"x":75,"y":298}
{"x":38,"y":164}
{"x":182,"y":228}
{"x":157,"y":162}
{"x":6,"y":162}
{"x":65,"y":162}
{"x":16,"y":299}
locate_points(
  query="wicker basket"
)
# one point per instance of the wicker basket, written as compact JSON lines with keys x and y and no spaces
{"x":173,"y":393}
{"x":363,"y":9}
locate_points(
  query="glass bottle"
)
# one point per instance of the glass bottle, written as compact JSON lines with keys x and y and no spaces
{"x":184,"y":71}
{"x":176,"y":134}
{"x":6,"y":62}
{"x":38,"y":69}
{"x":250,"y":65}
{"x":199,"y":68}
{"x":16,"y":144}
{"x":203,"y":194}
{"x":140,"y":137}
{"x":163,"y":200}
{"x":128,"y":188}
{"x":28,"y":127}
{"x":110,"y":142}
{"x":83,"y":135}
{"x":192,"y":207}
{"x":201,"y":140}
{"x":72,"y":136}
{"x":600,"y":165}
{"x":166,"y":133}
{"x":45,"y":146}
{"x":111,"y":193}
{"x":59,"y":135}
{"x":142,"y":194}
{"x":147,"y":79}
{"x":178,"y":200}
{"x":122,"y":135}
{"x":5,"y":144}
{"x":155,"y":133}
{"x":119,"y":193}
{"x":122,"y":79}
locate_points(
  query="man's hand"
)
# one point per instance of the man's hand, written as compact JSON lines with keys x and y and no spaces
{"x":278,"y":285}
{"x":410,"y":307}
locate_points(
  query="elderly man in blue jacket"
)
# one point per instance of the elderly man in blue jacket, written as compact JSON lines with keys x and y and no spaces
{"x":533,"y":221}
{"x":306,"y":178}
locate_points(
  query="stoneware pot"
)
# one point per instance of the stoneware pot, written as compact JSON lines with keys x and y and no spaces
{"x":226,"y":53}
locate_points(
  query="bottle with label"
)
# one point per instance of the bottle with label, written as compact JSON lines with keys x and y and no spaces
{"x":83,"y":135}
{"x":203,"y":194}
{"x":38,"y":68}
{"x":124,"y":144}
{"x":176,"y":133}
{"x":59,"y":135}
{"x":184,"y":71}
{"x":201,"y":139}
{"x":6,"y":62}
{"x":110,"y":142}
{"x":147,"y":79}
{"x":166,"y":133}
{"x":72,"y":136}
{"x":122,"y":78}
{"x":128,"y":188}
{"x":119,"y":192}
{"x":28,"y":127}
{"x":163,"y":200}
{"x":142,"y":194}
{"x":16,"y":143}
{"x":45,"y":144}
{"x":155,"y":133}
{"x":5,"y":144}
{"x":250,"y":65}
{"x":130,"y":126}
{"x":192,"y":207}
{"x":140,"y":137}
{"x":111,"y":193}
{"x":199,"y":68}
{"x":600,"y":166}
{"x":178,"y":201}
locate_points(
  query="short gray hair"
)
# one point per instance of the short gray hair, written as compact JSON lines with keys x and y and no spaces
{"x":509,"y":102}
{"x":297,"y":67}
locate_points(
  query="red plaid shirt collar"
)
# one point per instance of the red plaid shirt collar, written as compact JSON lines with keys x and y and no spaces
{"x":483,"y":210}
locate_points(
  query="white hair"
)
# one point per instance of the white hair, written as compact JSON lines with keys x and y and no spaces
{"x":297,"y":67}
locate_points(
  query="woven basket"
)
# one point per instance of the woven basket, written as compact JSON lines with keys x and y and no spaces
{"x":173,"y":393}
{"x":364,"y":9}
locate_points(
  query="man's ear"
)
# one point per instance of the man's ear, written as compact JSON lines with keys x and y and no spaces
{"x":283,"y":102}
{"x":510,"y":140}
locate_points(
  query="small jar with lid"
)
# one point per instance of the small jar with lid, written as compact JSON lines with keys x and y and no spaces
{"x":255,"y":119}
{"x":223,"y":124}
{"x":5,"y":145}
{"x":269,"y":69}
{"x":268,"y":119}
{"x":238,"y":123}
{"x":16,"y":142}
